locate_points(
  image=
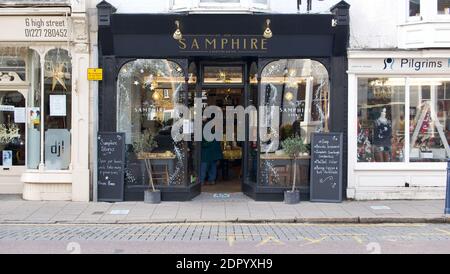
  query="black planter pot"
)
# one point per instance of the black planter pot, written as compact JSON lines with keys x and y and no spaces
{"x":152,"y":197}
{"x":291,"y":197}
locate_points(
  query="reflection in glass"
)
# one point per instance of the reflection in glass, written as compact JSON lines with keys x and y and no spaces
{"x":414,"y":7}
{"x":444,"y":7}
{"x":381,"y":119}
{"x":12,"y":63}
{"x":34,"y":112}
{"x":429,"y":120}
{"x":12,"y":128}
{"x":150,"y":94}
{"x":58,"y":109}
{"x":299,"y":88}
{"x":223,"y":75}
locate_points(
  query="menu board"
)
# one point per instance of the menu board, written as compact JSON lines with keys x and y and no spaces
{"x":111,"y":166}
{"x":326,"y":167}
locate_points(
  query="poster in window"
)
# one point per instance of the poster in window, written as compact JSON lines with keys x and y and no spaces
{"x":34,"y":115}
{"x":57,"y":105}
{"x":19,"y":115}
{"x":57,"y":149}
{"x":7,"y":157}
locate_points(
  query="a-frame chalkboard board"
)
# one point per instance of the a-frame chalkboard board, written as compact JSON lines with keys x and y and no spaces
{"x":111,"y":166}
{"x":326,"y":167}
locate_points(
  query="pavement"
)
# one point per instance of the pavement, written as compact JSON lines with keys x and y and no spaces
{"x":210,"y":207}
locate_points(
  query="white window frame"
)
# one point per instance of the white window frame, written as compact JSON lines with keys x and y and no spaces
{"x":353,"y":131}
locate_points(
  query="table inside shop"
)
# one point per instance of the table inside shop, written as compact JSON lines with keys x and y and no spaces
{"x":303,"y":163}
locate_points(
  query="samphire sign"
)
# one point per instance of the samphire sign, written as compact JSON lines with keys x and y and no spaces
{"x":223,"y":43}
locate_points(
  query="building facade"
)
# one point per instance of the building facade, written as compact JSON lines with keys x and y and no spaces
{"x":398,"y":110}
{"x":257,"y":54}
{"x":44,"y":100}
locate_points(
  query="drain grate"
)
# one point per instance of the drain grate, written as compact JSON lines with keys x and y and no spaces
{"x":98,"y":213}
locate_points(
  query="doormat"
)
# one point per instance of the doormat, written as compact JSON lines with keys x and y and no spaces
{"x":221,"y":195}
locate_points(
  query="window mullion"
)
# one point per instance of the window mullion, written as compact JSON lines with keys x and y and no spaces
{"x":407,"y":145}
{"x":42,"y":115}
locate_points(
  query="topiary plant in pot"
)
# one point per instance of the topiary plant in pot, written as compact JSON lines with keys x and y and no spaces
{"x":294,"y":147}
{"x":143,"y":146}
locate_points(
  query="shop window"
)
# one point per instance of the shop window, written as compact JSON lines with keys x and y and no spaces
{"x":295,"y":97}
{"x":223,"y":75}
{"x":57,"y":109}
{"x":414,"y":8}
{"x":34,"y":112}
{"x":150,"y":92}
{"x":12,"y":64}
{"x":443,"y":7}
{"x":12,"y":128}
{"x":429,"y":120}
{"x":381,"y":119}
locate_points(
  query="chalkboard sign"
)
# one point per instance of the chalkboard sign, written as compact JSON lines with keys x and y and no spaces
{"x":111,"y":166}
{"x":326,"y":167}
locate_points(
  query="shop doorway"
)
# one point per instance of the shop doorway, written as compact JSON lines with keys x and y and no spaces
{"x":225,"y":174}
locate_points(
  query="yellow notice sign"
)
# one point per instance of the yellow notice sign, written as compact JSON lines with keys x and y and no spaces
{"x":95,"y":74}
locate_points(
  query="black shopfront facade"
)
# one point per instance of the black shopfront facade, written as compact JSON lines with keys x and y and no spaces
{"x":224,"y":60}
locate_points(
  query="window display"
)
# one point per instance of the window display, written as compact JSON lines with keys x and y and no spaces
{"x":381,"y":126}
{"x":382,"y":120}
{"x":429,"y":120}
{"x":299,"y":88}
{"x":12,"y":131}
{"x":57,"y":109}
{"x":150,"y":92}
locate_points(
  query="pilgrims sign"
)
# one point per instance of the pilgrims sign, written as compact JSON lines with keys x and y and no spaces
{"x":222,"y":44}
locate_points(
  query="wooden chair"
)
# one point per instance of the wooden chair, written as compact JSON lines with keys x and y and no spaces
{"x":160,"y":175}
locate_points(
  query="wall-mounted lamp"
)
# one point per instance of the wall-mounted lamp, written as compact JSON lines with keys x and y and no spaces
{"x":268,"y":32}
{"x":177,"y":34}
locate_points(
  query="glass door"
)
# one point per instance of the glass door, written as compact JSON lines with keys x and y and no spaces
{"x":223,"y":94}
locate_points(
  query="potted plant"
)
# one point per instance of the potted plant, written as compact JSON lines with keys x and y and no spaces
{"x":294,"y":147}
{"x":143,"y":146}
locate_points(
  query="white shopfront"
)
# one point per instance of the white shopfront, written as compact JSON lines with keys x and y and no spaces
{"x":44,"y":103}
{"x":399,"y":124}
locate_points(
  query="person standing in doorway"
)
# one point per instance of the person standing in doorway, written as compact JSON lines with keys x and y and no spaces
{"x":211,"y":154}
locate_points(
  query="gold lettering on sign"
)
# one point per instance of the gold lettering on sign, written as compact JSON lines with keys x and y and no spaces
{"x":224,"y":42}
{"x":254,"y":43}
{"x":235,"y":43}
{"x":210,"y":42}
{"x":264,"y":44}
{"x":182,"y":43}
{"x":195,"y":44}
